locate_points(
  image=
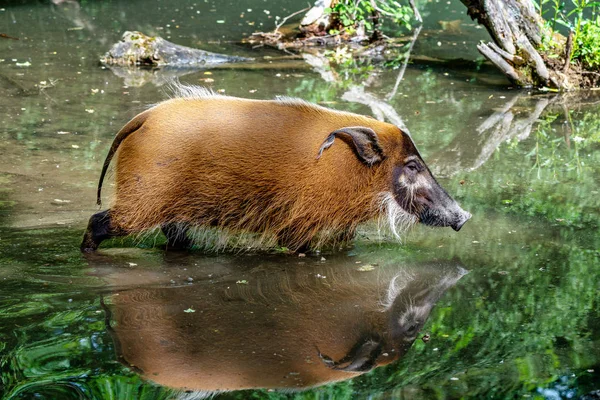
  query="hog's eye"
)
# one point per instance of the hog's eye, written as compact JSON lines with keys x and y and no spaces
{"x":412,"y":166}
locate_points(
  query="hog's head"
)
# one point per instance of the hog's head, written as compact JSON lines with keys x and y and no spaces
{"x":412,"y":194}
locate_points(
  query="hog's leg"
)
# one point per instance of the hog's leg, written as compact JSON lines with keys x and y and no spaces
{"x":287,"y":238}
{"x":99,"y":229}
{"x":176,"y":234}
{"x":345,"y":236}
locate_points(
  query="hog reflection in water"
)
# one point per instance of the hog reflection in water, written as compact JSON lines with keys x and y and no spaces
{"x":284,"y":328}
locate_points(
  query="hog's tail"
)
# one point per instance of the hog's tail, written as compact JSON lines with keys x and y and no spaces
{"x":131,"y":127}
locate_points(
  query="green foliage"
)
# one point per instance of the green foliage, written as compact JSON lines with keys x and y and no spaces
{"x":587,"y":44}
{"x":351,"y":14}
{"x":400,"y":14}
{"x":585,"y":29}
{"x":556,"y":8}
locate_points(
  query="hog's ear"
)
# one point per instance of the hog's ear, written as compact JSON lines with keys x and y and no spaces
{"x":363,"y":140}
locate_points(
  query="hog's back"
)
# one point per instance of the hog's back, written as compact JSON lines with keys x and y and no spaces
{"x":223,"y":159}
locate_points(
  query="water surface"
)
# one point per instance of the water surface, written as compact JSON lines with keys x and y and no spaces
{"x":129,"y":322}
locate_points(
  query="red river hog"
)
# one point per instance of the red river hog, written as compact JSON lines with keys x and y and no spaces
{"x":281,"y":169}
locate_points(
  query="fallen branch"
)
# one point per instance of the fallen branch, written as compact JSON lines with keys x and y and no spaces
{"x":517,"y":60}
{"x":405,"y":64}
{"x":507,"y":69}
{"x":415,"y":11}
{"x":279,"y":25}
{"x":569,"y":52}
{"x":380,"y":108}
{"x":5,"y":36}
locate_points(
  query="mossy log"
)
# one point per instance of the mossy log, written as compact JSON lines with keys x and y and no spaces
{"x":517,"y":50}
{"x":135,"y":48}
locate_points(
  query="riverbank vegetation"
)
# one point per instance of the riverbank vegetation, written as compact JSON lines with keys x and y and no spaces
{"x":549,"y":44}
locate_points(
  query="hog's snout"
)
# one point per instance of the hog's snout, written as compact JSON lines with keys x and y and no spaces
{"x":419,"y":194}
{"x":461,"y":219}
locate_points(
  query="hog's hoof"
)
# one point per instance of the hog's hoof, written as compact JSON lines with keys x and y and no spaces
{"x":88,"y":245}
{"x":177,"y":238}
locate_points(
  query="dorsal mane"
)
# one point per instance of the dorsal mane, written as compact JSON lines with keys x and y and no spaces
{"x":178,"y":90}
{"x":309,"y":107}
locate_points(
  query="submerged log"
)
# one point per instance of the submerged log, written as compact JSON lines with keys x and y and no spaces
{"x":135,"y":48}
{"x":138,"y":77}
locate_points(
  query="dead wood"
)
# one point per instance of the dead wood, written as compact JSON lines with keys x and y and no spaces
{"x":135,"y":48}
{"x":517,"y":31}
{"x":5,"y":36}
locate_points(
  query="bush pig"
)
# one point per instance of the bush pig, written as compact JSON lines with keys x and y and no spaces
{"x":268,"y":167}
{"x":286,"y":328}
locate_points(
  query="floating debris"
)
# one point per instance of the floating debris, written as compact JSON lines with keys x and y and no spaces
{"x":59,"y":202}
{"x":366,"y":268}
{"x":5,"y":36}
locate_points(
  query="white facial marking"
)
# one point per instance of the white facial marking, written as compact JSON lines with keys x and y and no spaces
{"x":421,"y":182}
{"x":398,"y":220}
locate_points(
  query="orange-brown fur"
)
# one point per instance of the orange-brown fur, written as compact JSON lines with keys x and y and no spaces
{"x":248,"y":165}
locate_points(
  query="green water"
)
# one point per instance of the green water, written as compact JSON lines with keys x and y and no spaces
{"x":523,"y":322}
